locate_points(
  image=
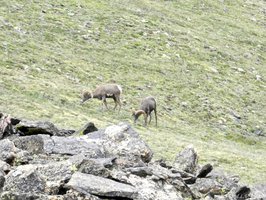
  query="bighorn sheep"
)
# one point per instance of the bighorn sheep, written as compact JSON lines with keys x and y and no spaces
{"x":148,"y":105}
{"x":105,"y":91}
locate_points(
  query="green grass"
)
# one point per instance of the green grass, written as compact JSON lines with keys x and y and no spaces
{"x":204,"y":61}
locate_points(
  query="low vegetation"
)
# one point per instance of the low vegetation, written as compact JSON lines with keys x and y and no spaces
{"x":203,"y":61}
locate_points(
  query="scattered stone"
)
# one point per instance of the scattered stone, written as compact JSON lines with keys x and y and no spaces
{"x":241,"y":70}
{"x":243,"y":192}
{"x":204,"y":171}
{"x":88,"y":128}
{"x":184,"y":104}
{"x":258,"y":77}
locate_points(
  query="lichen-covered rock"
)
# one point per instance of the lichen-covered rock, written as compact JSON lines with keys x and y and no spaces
{"x":258,"y":191}
{"x":123,"y":141}
{"x":2,"y":179}
{"x":76,"y":145}
{"x":90,"y":184}
{"x":154,"y":182}
{"x":5,"y":167}
{"x":22,"y":158}
{"x":227,"y":181}
{"x":33,"y":144}
{"x":88,"y":166}
{"x":40,"y":144}
{"x":148,"y":188}
{"x":203,"y":186}
{"x":187,"y":160}
{"x":8,"y":195}
{"x":24,"y":179}
{"x":7,"y":150}
{"x":55,"y":175}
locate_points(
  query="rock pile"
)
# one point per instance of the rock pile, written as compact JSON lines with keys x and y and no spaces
{"x":38,"y":161}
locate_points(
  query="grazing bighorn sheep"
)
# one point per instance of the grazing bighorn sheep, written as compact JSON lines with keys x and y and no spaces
{"x":148,"y":105}
{"x":105,"y":91}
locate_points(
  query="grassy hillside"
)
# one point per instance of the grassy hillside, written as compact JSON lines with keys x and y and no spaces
{"x":204,"y":61}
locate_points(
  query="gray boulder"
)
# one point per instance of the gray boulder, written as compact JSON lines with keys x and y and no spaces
{"x":150,"y":187}
{"x":55,"y":175}
{"x":121,"y":140}
{"x":33,"y":144}
{"x":39,"y":179}
{"x":2,"y":179}
{"x":154,"y":182}
{"x":227,"y":181}
{"x":7,"y":151}
{"x":258,"y":191}
{"x":204,"y":186}
{"x":237,"y":193}
{"x":89,"y":166}
{"x":24,"y":179}
{"x":76,"y":145}
{"x":90,"y":184}
{"x":36,"y":127}
{"x":87,"y":128}
{"x":8,"y":195}
{"x":4,"y":167}
{"x":187,"y":160}
{"x":45,"y":144}
{"x":205,"y":170}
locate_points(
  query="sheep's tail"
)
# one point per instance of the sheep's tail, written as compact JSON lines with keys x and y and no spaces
{"x":120,"y":89}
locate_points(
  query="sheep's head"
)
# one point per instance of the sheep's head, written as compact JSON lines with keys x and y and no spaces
{"x":86,"y":96}
{"x":134,"y":115}
{"x":137,"y":113}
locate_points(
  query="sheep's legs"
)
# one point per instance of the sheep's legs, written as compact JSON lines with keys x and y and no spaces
{"x":105,"y":103}
{"x":145,"y":119}
{"x":150,"y":118}
{"x":115,"y":105}
{"x":117,"y":101}
{"x":155,"y":113}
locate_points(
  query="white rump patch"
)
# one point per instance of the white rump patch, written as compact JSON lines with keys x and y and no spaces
{"x":120,"y":89}
{"x":109,"y":95}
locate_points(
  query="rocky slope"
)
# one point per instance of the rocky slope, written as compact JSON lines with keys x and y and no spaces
{"x":40,"y":161}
